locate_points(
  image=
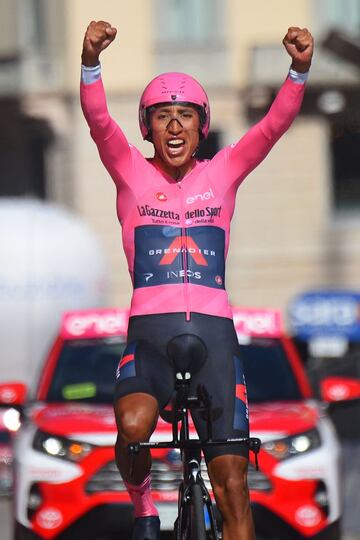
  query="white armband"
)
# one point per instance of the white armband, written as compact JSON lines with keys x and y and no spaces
{"x":298,"y":78}
{"x":89,"y":75}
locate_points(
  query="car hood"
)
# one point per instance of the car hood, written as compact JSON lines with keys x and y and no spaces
{"x":73,"y":418}
{"x":96,"y":423}
{"x":283,"y":418}
{"x":83,"y":422}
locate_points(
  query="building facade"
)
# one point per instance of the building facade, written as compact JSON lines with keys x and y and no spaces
{"x":297,"y":220}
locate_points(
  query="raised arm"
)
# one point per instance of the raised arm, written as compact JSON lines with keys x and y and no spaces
{"x":111,"y":142}
{"x":251,"y":149}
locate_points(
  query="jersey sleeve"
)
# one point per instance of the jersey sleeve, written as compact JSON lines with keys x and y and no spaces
{"x":242,"y":157}
{"x":113,"y":147}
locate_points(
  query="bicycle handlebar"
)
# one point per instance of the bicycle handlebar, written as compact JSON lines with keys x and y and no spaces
{"x":253,"y":444}
{"x":201,"y":402}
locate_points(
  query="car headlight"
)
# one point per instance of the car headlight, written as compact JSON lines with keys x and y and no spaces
{"x":59,"y":447}
{"x":11,"y":419}
{"x":295,"y":445}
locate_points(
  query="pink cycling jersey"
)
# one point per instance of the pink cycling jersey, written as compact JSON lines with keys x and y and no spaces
{"x":176,"y":235}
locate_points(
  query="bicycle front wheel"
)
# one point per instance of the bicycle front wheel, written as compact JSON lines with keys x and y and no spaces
{"x":197,"y":517}
{"x":190,"y":524}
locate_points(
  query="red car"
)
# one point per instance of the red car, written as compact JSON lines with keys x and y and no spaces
{"x":8,"y":424}
{"x":66,"y":482}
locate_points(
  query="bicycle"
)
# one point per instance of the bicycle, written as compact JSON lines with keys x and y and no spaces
{"x":196,"y":516}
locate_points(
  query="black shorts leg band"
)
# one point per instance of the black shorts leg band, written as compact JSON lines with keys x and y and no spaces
{"x":212,"y":452}
{"x":132,"y":385}
{"x":143,"y":368}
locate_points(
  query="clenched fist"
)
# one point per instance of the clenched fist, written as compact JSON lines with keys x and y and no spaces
{"x":299,"y":44}
{"x":98,"y":36}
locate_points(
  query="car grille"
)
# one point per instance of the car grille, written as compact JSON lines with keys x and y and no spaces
{"x":166,"y":476}
{"x":257,"y":480}
{"x":106,"y":479}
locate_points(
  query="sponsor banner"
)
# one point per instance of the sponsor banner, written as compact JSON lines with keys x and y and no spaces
{"x":167,"y":255}
{"x":326,"y":313}
{"x":196,"y":214}
{"x":147,"y":210}
{"x":257,"y":322}
{"x":94,"y":323}
{"x":328,"y":346}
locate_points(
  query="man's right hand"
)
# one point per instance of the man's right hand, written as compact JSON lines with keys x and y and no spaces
{"x":98,"y":36}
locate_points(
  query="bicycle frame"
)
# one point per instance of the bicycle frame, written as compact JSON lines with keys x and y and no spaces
{"x":191,"y":448}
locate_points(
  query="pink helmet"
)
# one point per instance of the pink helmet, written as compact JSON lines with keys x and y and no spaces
{"x":174,"y":88}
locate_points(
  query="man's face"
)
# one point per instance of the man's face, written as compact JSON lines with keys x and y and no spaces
{"x":175,"y":133}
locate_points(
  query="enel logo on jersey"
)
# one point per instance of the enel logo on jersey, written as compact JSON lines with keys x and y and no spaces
{"x":167,"y":255}
{"x":207,"y":195}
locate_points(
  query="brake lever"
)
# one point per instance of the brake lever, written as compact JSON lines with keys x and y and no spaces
{"x":255,"y":445}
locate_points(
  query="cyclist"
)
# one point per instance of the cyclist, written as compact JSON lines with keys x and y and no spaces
{"x":175,"y":213}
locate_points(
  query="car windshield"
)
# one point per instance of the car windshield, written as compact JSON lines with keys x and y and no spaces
{"x":268,"y":373}
{"x":85,"y":371}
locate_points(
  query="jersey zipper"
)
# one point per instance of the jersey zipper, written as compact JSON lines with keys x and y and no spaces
{"x":184,"y":259}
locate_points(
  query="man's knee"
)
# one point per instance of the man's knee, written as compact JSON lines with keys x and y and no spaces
{"x":229,"y":481}
{"x":136,"y":417}
{"x":233,"y":487}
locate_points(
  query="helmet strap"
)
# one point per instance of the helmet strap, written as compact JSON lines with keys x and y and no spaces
{"x":193,"y":155}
